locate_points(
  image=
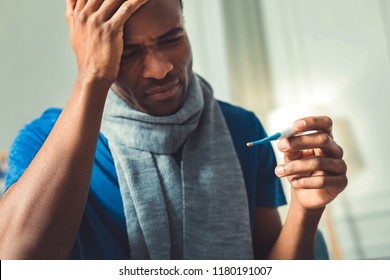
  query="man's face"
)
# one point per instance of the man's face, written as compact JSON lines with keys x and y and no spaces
{"x":156,"y":64}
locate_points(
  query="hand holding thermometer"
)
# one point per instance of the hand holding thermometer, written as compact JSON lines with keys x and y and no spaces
{"x":285,"y":133}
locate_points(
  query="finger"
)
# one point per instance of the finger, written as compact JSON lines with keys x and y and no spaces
{"x":319,"y":140}
{"x":128,"y":8}
{"x":320,"y":123}
{"x":295,"y":155}
{"x":108,"y":8}
{"x":93,"y":5}
{"x":80,"y":4}
{"x":335,"y":183}
{"x":70,"y":6}
{"x":311,"y":165}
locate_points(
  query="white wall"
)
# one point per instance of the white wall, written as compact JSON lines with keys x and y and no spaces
{"x":332,"y":57}
{"x":204,"y":22}
{"x":36,"y":62}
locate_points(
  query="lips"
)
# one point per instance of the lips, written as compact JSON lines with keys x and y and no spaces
{"x":163,"y":92}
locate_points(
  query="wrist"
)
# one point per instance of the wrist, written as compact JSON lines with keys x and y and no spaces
{"x":94,"y":81}
{"x":305,"y":215}
{"x":90,"y":92}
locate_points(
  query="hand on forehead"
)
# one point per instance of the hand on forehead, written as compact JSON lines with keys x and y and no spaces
{"x":153,"y":19}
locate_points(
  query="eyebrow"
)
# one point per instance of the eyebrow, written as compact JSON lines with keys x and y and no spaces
{"x":164,"y":36}
{"x":170,"y":33}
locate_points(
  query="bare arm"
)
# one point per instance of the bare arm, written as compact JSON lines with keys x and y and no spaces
{"x":267,"y":227}
{"x":42,"y":211}
{"x":297,"y":236}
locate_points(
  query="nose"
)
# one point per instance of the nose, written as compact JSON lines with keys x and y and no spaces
{"x":156,"y":65}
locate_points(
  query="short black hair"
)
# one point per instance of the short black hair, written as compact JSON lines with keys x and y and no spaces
{"x":181,"y":4}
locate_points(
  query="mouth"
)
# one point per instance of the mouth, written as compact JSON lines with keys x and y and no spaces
{"x":160,"y":93}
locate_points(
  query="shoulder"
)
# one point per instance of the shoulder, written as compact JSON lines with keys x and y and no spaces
{"x":37,"y":131}
{"x":49,"y":116}
{"x":28,"y":142}
{"x":241,"y":121}
{"x":232,"y":111}
{"x":42,"y":125}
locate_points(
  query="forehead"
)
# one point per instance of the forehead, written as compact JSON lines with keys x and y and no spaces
{"x":152,"y":20}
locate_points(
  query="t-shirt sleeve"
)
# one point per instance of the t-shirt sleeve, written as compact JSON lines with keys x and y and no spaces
{"x":269,"y":191}
{"x":27,"y":144}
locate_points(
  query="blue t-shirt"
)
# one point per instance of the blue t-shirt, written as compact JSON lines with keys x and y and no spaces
{"x":102,"y":233}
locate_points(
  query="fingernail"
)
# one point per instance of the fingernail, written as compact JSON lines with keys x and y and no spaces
{"x":294,"y":183}
{"x":301,"y":124}
{"x":283,"y":144}
{"x":279,"y":170}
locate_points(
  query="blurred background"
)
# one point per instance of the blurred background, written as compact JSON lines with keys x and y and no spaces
{"x":282,"y":59}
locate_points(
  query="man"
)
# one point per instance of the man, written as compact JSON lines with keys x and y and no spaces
{"x":143,"y":163}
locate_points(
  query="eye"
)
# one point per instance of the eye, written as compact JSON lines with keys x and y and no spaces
{"x":131,"y":53}
{"x":173,"y":41}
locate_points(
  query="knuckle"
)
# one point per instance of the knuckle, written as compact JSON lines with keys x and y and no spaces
{"x":68,"y":20}
{"x":290,"y":167}
{"x":108,"y":28}
{"x":328,"y":121}
{"x":94,"y":20}
{"x":68,"y":16}
{"x":321,"y":181}
{"x":323,"y":139}
{"x":128,"y":5}
{"x":316,"y":164}
{"x":341,"y":152}
{"x":345,"y":181}
{"x":343,"y":167}
{"x":341,"y":184}
{"x":300,"y":182}
{"x":82,"y":16}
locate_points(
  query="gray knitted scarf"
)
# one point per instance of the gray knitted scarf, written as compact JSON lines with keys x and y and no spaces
{"x":196,"y":209}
